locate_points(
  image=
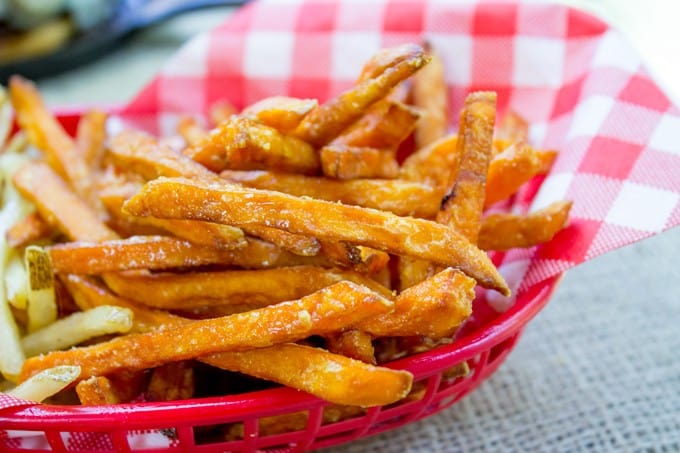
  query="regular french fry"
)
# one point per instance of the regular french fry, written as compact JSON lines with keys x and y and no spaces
{"x":327,"y":310}
{"x":506,"y":231}
{"x":182,"y":198}
{"x":238,"y":287}
{"x":16,"y":282}
{"x":76,"y":328}
{"x":41,"y":300}
{"x":46,"y":383}
{"x":91,"y":136}
{"x":430,"y":95}
{"x":351,"y":162}
{"x":404,"y":198}
{"x":280,"y":112}
{"x":30,"y":229}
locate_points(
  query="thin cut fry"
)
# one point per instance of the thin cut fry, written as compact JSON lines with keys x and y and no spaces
{"x":365,"y":260}
{"x":280,"y":112}
{"x":46,"y":383}
{"x":436,"y":164}
{"x":181,"y":198}
{"x":76,"y":328}
{"x":430,"y":95}
{"x":41,"y":298}
{"x":91,"y":136}
{"x":295,"y":243}
{"x":351,"y":162}
{"x":328,"y":120}
{"x":190,"y":130}
{"x":506,"y":231}
{"x":462,"y":206}
{"x":354,"y":344}
{"x":30,"y":229}
{"x":332,"y":308}
{"x":171,"y":381}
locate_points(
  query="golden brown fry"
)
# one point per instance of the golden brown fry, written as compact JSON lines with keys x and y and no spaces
{"x":257,"y":288}
{"x":191,"y":130}
{"x":220,"y":111}
{"x":384,"y":126}
{"x":433,"y":308}
{"x":171,"y":381}
{"x":90,"y":138}
{"x":513,"y":128}
{"x":280,"y":112}
{"x":353,"y":343}
{"x":404,"y":198}
{"x":243,"y":144}
{"x":387,"y":58}
{"x":365,"y":260}
{"x":430,"y":96}
{"x":351,"y":162}
{"x":43,"y":187}
{"x":30,"y":229}
{"x":332,"y":308}
{"x":182,"y":198}
{"x":413,"y":271}
{"x":118,"y":388}
{"x":513,"y":167}
{"x":294,"y":243}
{"x":506,"y":231}
{"x":436,"y":164}
{"x":328,"y":120}
{"x":462,"y":206}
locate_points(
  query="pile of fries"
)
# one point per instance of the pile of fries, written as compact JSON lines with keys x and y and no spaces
{"x":287,"y":243}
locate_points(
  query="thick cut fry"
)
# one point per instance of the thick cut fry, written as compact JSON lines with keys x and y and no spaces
{"x":404,"y":198}
{"x":76,"y":328}
{"x":16,"y":281}
{"x":171,"y":381}
{"x":181,"y":198}
{"x":294,"y":243}
{"x":243,"y":144}
{"x":384,"y":126}
{"x":351,"y":162}
{"x":329,"y":376}
{"x":91,"y":136}
{"x":330,"y":309}
{"x":433,"y":308}
{"x":30,"y":229}
{"x":328,"y":120}
{"x":41,"y":301}
{"x":221,"y":111}
{"x":280,"y":112}
{"x":190,"y":130}
{"x":506,"y":231}
{"x":436,"y":164}
{"x":44,"y":188}
{"x":462,"y":206}
{"x":513,"y":167}
{"x":354,"y":344}
{"x":46,"y":383}
{"x":430,"y":95}
{"x":245,"y":287}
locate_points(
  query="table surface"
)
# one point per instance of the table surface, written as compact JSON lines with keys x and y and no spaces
{"x":598,"y":369}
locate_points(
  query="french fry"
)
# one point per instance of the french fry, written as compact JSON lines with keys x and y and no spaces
{"x":506,"y":231}
{"x":430,"y":95}
{"x":171,"y":381}
{"x":257,"y":288}
{"x":280,"y":112}
{"x":181,"y":198}
{"x":413,"y":271}
{"x":5,"y":117}
{"x":12,"y":356}
{"x":190,"y":130}
{"x":513,"y":128}
{"x":351,"y":162}
{"x":513,"y":167}
{"x":243,"y":144}
{"x":41,"y":299}
{"x":327,"y":310}
{"x":328,"y":120}
{"x":46,"y":383}
{"x":354,"y":344}
{"x":17,"y":144}
{"x":384,"y":126}
{"x":436,"y":164}
{"x":220,"y":111}
{"x":332,"y":377}
{"x":91,"y":136}
{"x":44,"y":188}
{"x":16,"y":281}
{"x":295,"y":243}
{"x":462,"y":206}
{"x":30,"y":229}
{"x":96,"y":391}
{"x":76,"y":328}
{"x":403,"y":198}
{"x":365,"y":260}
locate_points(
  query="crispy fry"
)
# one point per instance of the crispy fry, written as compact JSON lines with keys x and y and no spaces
{"x":404,"y":198}
{"x":190,"y":130}
{"x":295,"y":243}
{"x":91,"y":136}
{"x":365,"y":260}
{"x":181,"y":198}
{"x":384,"y":126}
{"x":327,"y":310}
{"x":430,"y":95}
{"x":506,"y":231}
{"x":243,"y":144}
{"x":513,"y":128}
{"x":280,"y":112}
{"x":30,"y":229}
{"x":387,"y":58}
{"x":96,"y":391}
{"x":220,"y":111}
{"x":513,"y":167}
{"x":413,"y":271}
{"x":171,"y":381}
{"x":43,"y":187}
{"x":328,"y":120}
{"x":354,"y":344}
{"x":46,"y":383}
{"x":351,"y":162}
{"x":462,"y":206}
{"x":436,"y":164}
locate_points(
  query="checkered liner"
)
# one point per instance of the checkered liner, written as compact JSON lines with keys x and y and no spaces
{"x":580,"y":85}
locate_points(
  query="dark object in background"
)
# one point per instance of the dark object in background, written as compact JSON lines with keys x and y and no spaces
{"x":125,"y":18}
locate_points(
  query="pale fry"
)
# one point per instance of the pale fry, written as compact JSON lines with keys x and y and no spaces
{"x":351,"y":162}
{"x":403,"y":198}
{"x":328,"y":120}
{"x":41,"y":297}
{"x":430,"y":95}
{"x":91,"y":136}
{"x":462,"y":206}
{"x":506,"y":231}
{"x":436,"y":164}
{"x":181,"y":198}
{"x":46,"y":383}
{"x":332,"y":308}
{"x":16,"y":281}
{"x":280,"y":112}
{"x":30,"y":229}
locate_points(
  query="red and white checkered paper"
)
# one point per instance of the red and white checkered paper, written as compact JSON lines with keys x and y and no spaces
{"x":581,"y":86}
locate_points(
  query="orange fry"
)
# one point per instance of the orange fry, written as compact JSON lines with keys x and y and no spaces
{"x":280,"y":112}
{"x":430,"y":95}
{"x":354,"y":344}
{"x":506,"y":231}
{"x":462,"y":206}
{"x":436,"y":164}
{"x":29,"y":229}
{"x":413,"y":271}
{"x":182,"y":198}
{"x":191,"y":130}
{"x":91,"y":136}
{"x":171,"y":381}
{"x":351,"y":162}
{"x":221,"y":111}
{"x":243,"y":144}
{"x":365,"y":260}
{"x":328,"y":120}
{"x":332,"y":308}
{"x":117,"y":388}
{"x":294,"y":243}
